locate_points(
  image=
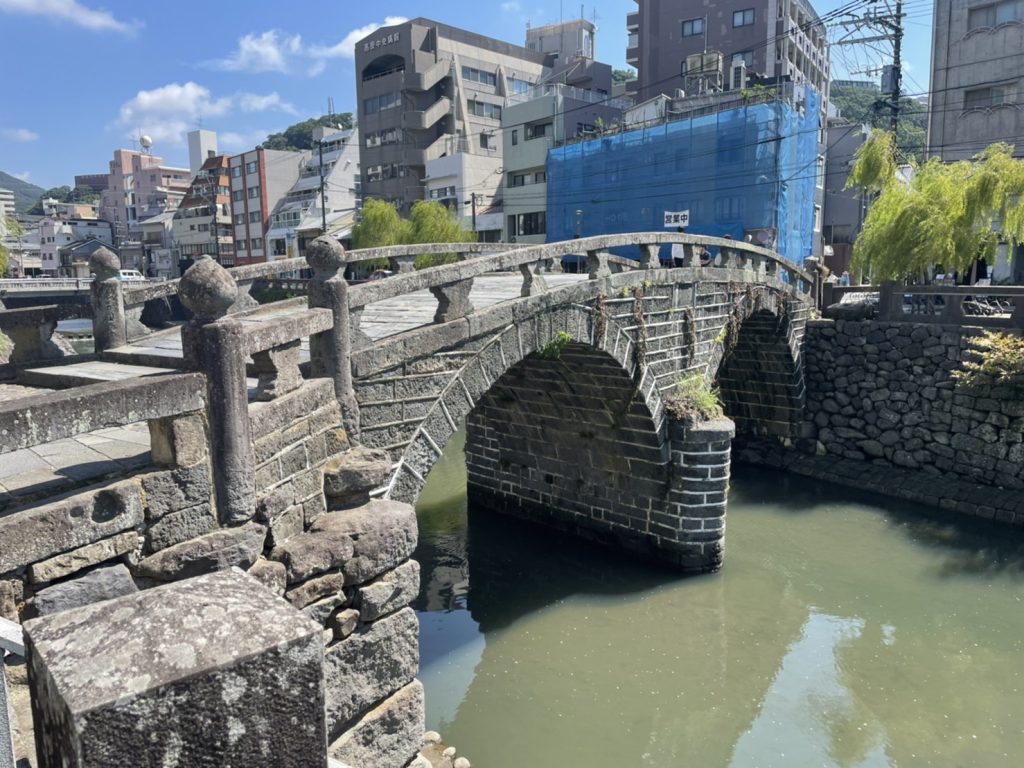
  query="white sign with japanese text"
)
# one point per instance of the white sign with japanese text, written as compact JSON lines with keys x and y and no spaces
{"x":677,"y":218}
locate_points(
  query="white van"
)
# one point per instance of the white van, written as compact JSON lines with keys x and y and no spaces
{"x":129,"y":275}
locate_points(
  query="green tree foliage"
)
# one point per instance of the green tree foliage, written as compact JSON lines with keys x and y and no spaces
{"x":300,"y":136}
{"x":64,"y":194}
{"x":428,"y":222}
{"x":858,"y":105}
{"x":14,"y":231}
{"x":620,"y":76}
{"x":945,"y":217}
{"x":994,"y":358}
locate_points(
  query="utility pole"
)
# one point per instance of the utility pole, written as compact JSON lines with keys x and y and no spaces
{"x":897,"y":74}
{"x":323,"y":203}
{"x":473,"y":199}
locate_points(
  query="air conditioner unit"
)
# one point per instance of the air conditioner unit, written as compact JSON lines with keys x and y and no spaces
{"x":738,"y":75}
{"x":680,"y":93}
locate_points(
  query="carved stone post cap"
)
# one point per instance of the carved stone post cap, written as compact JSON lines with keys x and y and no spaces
{"x":207,"y":289}
{"x":104,"y":263}
{"x":325,"y":254}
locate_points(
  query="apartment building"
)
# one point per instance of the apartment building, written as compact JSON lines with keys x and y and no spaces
{"x":203,"y":224}
{"x":259,"y":180}
{"x":6,"y":207}
{"x":139,"y":186}
{"x":977,"y":77}
{"x":770,"y":38}
{"x":157,"y":241}
{"x":298,"y":217}
{"x":55,"y":233}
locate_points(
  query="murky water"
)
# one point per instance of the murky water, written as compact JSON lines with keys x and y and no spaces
{"x":843,"y":631}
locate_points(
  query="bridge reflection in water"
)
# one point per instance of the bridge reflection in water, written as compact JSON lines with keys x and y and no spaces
{"x":845,"y":632}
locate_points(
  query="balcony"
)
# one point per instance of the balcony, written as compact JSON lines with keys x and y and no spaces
{"x":633,"y":55}
{"x":428,"y":78}
{"x":633,"y":21}
{"x":418,"y":121}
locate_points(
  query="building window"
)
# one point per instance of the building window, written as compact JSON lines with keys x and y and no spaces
{"x":995,"y":14}
{"x":517,"y":179}
{"x":516,"y":86}
{"x":747,"y":57}
{"x":254,"y":192}
{"x":538,"y":131}
{"x":240,"y":245}
{"x":540,"y":177}
{"x":821,"y":172}
{"x":485,"y":141}
{"x":817,"y":218}
{"x":992,"y":96}
{"x":380,"y":103}
{"x":256,"y":243}
{"x":479,"y":76}
{"x":743,"y":18}
{"x":693,"y":27}
{"x":236,"y":171}
{"x":528,"y":223}
{"x":238,"y":195}
{"x":251,"y":167}
{"x":254,"y":217}
{"x":239,"y":218}
{"x":485,"y":109}
{"x":515,"y":136}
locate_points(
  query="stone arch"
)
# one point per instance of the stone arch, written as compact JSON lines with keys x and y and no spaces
{"x":757,"y":367}
{"x":527,"y":337}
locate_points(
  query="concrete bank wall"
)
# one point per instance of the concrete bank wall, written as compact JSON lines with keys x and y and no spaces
{"x":882,"y":394}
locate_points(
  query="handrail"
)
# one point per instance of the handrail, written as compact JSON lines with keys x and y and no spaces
{"x":389,"y":251}
{"x":402,"y":284}
{"x":142,"y":293}
{"x":46,"y":283}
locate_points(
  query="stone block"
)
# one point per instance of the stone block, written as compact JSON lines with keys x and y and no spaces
{"x":391,"y":592}
{"x":349,"y":478}
{"x":174,"y":490}
{"x":92,"y":587}
{"x":343,"y":623}
{"x":312,"y":553}
{"x":213,"y":671}
{"x":383,"y":536}
{"x":315,"y":589}
{"x":270,"y":574}
{"x":321,"y":610}
{"x":213,"y":552}
{"x":72,"y":522}
{"x":12,"y":592}
{"x":289,"y":523}
{"x":178,"y":441}
{"x":177,"y":527}
{"x":84,"y":557}
{"x":387,"y":736}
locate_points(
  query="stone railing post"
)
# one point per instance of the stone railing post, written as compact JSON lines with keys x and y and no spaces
{"x":452,"y":300}
{"x":401,"y":265}
{"x":331,"y":352}
{"x":213,"y":344}
{"x":649,"y":256}
{"x":886,"y":294}
{"x":534,"y":283}
{"x":213,"y":670}
{"x":597,"y":265}
{"x":278,"y":370}
{"x":107,"y":294}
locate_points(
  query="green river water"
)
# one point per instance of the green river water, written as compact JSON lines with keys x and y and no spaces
{"x":844,"y":630}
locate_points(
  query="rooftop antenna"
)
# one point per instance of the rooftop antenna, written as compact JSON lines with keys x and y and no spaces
{"x":330,"y":105}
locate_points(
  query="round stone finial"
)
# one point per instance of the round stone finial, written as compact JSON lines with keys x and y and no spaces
{"x":104,"y":263}
{"x":207,"y":289}
{"x":325,"y":255}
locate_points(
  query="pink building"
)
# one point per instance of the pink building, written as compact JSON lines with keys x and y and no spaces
{"x":139,"y":186}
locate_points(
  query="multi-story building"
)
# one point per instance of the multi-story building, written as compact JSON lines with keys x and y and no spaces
{"x":6,"y":207}
{"x":428,"y":90}
{"x":977,"y":80}
{"x":159,"y":258}
{"x":298,"y":217}
{"x":771,"y":38}
{"x":259,"y":179}
{"x":139,"y":186}
{"x":844,"y":209}
{"x":97,"y":182}
{"x":54,"y":233}
{"x":743,"y":165}
{"x":202,"y":224}
{"x":544,"y":117}
{"x":202,"y":145}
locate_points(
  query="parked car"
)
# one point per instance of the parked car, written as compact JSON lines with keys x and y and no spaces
{"x":130,"y":275}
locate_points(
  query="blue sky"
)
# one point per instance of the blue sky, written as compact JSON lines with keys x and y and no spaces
{"x":83,"y":77}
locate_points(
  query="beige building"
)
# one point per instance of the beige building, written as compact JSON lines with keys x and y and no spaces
{"x":202,"y":223}
{"x":259,"y":179}
{"x":139,"y":186}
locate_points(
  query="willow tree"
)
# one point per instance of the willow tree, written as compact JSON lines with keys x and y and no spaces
{"x":380,"y":225}
{"x":946,"y":215}
{"x":434,"y":223}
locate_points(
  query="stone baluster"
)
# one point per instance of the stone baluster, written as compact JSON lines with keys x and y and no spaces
{"x":401,"y":265}
{"x":534,"y":283}
{"x":649,"y":256}
{"x":553,"y":266}
{"x":597,"y":265}
{"x":245,"y":300}
{"x":107,"y":295}
{"x":771,"y":267}
{"x":331,"y":351}
{"x":886,"y":307}
{"x":278,"y":370}
{"x":213,"y":343}
{"x":452,"y":300}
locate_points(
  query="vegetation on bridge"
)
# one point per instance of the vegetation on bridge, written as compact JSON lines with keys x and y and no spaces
{"x":996,"y":358}
{"x":694,"y":400}
{"x":946,"y":216}
{"x":428,"y":222}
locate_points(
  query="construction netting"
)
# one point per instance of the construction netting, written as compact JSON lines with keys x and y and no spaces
{"x":747,"y":171}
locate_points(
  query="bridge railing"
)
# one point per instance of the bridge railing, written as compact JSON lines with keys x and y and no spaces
{"x":452,"y":283}
{"x":993,"y":306}
{"x":42,"y":285}
{"x":31,"y":330}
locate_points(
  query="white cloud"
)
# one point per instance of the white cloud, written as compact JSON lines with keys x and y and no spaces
{"x":254,"y":102}
{"x":241,"y":141}
{"x":346,"y":48}
{"x":512,"y":7}
{"x":167,"y":113}
{"x":268,"y":52}
{"x":20,"y":134}
{"x":70,"y":11}
{"x":24,"y":175}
